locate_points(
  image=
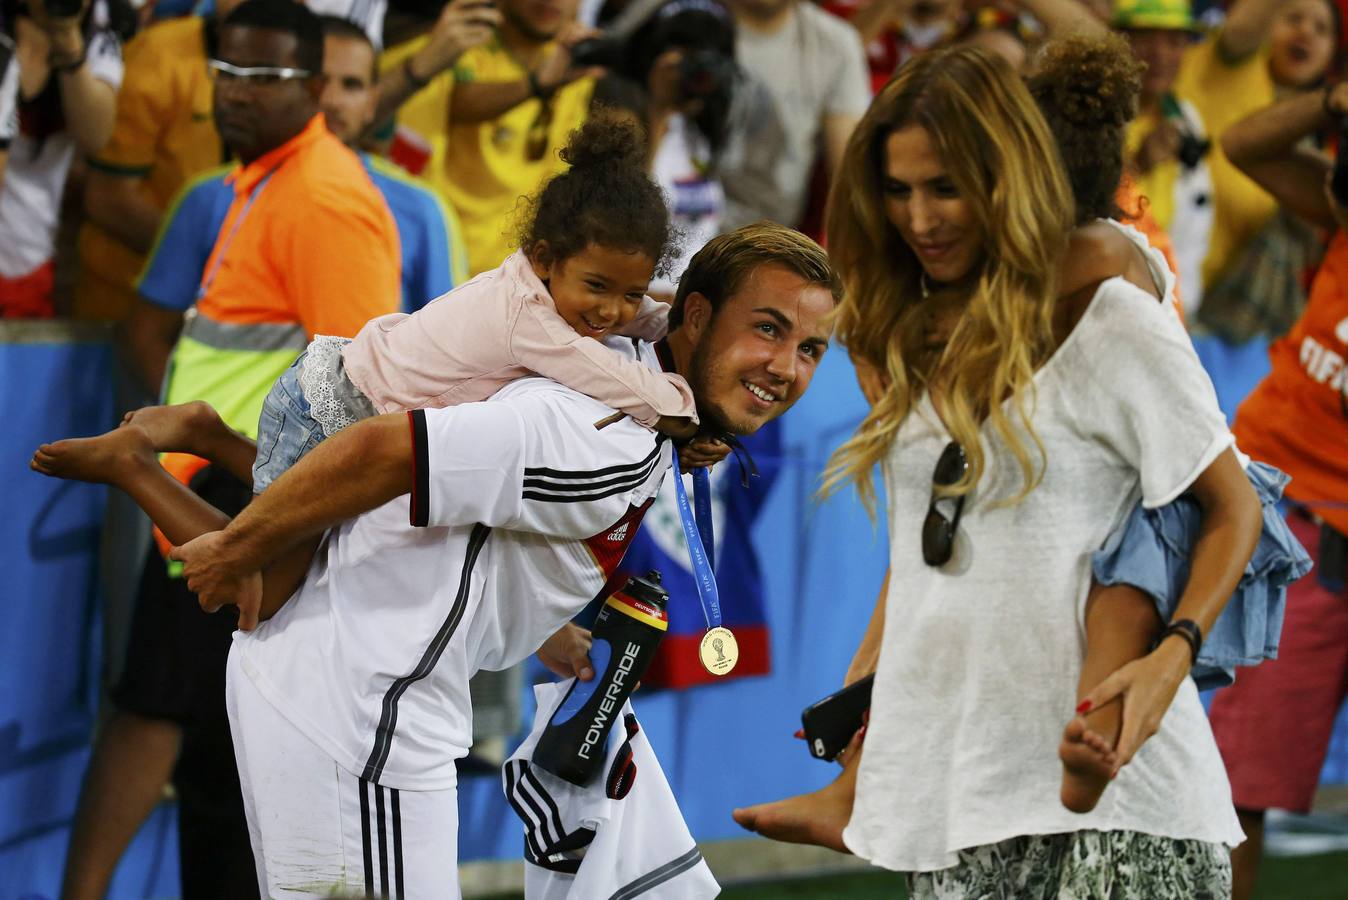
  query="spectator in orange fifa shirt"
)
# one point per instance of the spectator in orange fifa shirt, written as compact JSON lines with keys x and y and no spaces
{"x":1274,"y":724}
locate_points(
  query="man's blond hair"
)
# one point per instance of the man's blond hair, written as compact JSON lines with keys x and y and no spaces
{"x":719,"y":269}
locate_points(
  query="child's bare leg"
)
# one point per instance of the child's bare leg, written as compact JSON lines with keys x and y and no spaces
{"x":127,"y":458}
{"x":285,"y":575}
{"x":196,"y":428}
{"x":815,"y":818}
{"x":1121,"y":623}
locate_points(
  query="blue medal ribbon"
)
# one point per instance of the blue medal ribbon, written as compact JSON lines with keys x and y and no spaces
{"x":699,"y":553}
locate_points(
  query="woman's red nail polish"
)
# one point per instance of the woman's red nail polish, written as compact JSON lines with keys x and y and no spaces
{"x":800,"y":733}
{"x":1084,"y":706}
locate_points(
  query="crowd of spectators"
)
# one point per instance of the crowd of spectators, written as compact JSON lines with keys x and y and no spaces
{"x":105,"y":116}
{"x":222,"y":201}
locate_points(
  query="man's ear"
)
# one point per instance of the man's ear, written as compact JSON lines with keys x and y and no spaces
{"x":697,"y":315}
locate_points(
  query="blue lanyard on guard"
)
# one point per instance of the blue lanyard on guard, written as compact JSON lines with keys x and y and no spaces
{"x":700,"y":552}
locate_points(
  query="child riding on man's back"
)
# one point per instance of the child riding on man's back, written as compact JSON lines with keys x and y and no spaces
{"x":595,"y":237}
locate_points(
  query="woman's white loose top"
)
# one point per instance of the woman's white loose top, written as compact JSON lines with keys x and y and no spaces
{"x":979,"y":663}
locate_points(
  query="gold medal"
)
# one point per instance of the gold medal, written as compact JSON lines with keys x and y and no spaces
{"x":719,"y":651}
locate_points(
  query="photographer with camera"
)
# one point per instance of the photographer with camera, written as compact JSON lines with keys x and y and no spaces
{"x":677,"y":74}
{"x":1273,"y":725}
{"x":70,"y":66}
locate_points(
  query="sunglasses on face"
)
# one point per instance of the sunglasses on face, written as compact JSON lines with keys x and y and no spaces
{"x":260,"y":76}
{"x":938,"y":531}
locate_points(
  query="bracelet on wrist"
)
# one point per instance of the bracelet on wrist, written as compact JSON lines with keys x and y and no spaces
{"x":412,"y":77}
{"x":1189,"y":630}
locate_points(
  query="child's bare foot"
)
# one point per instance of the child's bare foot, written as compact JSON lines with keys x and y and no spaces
{"x":701,"y":452}
{"x":104,"y":459}
{"x":817,"y":818}
{"x":183,"y":428}
{"x":1088,"y":763}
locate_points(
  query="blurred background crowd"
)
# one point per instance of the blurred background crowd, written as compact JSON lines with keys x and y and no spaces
{"x":121,"y":128}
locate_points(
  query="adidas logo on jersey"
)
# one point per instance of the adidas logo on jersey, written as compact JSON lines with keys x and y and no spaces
{"x":619,"y":533}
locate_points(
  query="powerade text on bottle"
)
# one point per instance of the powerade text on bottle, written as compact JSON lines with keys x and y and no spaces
{"x":627,"y":633}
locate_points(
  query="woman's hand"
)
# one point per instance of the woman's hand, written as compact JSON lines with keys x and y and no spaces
{"x":1146,"y":687}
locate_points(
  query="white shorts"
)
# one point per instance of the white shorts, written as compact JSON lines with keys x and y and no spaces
{"x":317,"y":830}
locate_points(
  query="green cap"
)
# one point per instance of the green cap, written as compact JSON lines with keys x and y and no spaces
{"x":1170,"y":15}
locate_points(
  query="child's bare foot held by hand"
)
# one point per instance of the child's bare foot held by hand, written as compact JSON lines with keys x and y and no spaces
{"x":1088,"y":764}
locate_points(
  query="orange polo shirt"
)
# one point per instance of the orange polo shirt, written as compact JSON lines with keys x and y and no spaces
{"x":316,"y":246}
{"x":308,"y":247}
{"x":1297,"y":418}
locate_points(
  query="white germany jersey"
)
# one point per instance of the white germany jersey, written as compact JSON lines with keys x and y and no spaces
{"x":520,"y":510}
{"x":618,"y":838}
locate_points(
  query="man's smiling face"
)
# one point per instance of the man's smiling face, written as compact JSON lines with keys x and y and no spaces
{"x":754,"y":356}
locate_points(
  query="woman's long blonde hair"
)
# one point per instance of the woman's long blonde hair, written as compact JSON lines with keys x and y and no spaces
{"x":1002,"y":158}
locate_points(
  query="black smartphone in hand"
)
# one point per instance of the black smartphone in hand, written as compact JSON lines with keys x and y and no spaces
{"x":830,"y":724}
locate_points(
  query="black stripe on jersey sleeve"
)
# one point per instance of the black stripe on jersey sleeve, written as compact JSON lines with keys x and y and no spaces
{"x":655,"y":877}
{"x":419,"y":511}
{"x":549,"y":484}
{"x":551,"y":492}
{"x":581,"y":498}
{"x":590,"y":474}
{"x":388,"y":719}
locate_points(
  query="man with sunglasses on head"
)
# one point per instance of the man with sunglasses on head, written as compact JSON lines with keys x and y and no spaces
{"x":307,"y":247}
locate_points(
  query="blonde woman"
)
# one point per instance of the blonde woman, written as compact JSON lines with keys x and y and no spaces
{"x":1016,"y":431}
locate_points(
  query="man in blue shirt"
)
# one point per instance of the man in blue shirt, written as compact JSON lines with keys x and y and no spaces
{"x":433,"y":255}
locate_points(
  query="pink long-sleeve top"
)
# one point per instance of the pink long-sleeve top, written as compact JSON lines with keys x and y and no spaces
{"x":494,"y":329}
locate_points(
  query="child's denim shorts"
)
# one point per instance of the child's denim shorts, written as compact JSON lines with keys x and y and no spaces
{"x":1152,"y":549}
{"x":285,"y":430}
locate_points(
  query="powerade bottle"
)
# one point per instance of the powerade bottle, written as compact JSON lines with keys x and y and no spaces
{"x":627,"y":633}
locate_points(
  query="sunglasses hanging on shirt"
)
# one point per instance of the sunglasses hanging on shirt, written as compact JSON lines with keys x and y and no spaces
{"x":938,"y":529}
